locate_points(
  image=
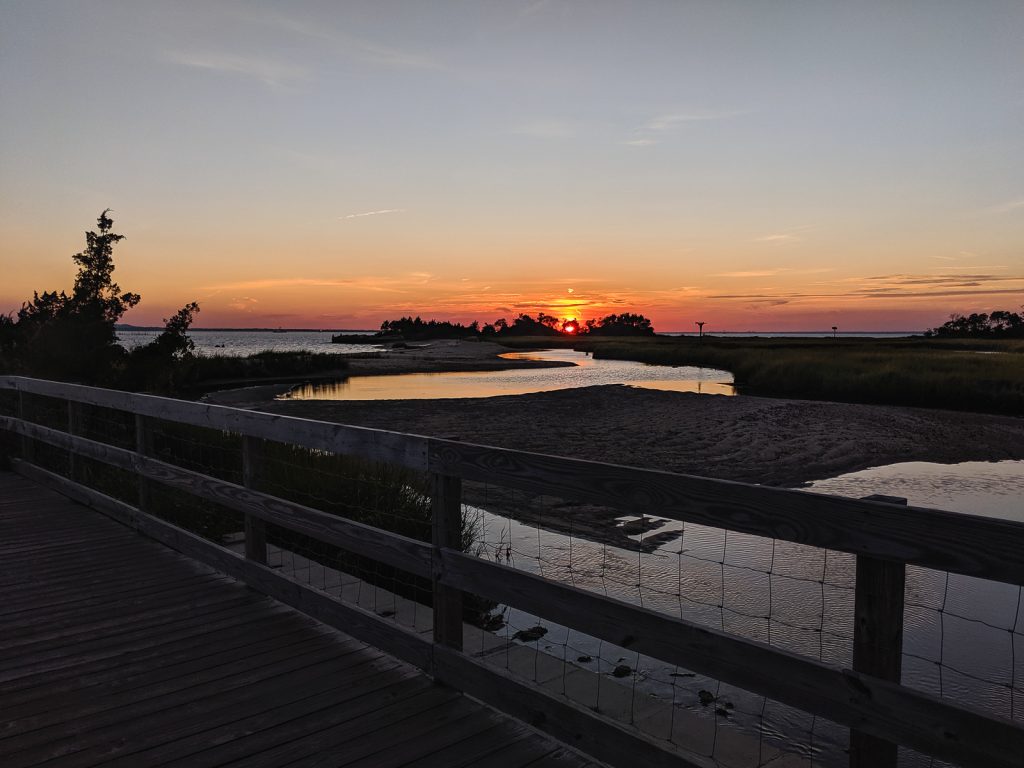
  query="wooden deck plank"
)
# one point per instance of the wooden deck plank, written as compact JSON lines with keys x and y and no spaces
{"x":88,"y":689}
{"x":99,"y":737}
{"x":106,"y":648}
{"x":119,"y":651}
{"x":257,"y":736}
{"x":293,"y":708}
{"x":55,"y":655}
{"x":327,"y":733}
{"x":71,"y":617}
{"x":227,"y":639}
{"x":426,"y":736}
{"x":473,"y":750}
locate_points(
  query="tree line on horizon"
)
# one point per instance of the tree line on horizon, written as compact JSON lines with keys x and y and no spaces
{"x":1000,"y":324}
{"x":418,"y":329}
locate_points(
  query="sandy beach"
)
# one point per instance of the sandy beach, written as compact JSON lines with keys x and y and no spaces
{"x":750,"y":439}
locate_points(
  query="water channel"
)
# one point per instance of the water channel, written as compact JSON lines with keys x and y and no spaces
{"x":585,"y":371}
{"x":964,"y":637}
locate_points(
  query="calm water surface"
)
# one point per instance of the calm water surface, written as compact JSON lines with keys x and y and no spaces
{"x":584,"y":372}
{"x":244,"y":343}
{"x":964,"y":637}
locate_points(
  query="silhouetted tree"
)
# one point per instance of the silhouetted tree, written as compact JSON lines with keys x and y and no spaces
{"x":1001,"y":324}
{"x":626,"y":324}
{"x":73,"y":337}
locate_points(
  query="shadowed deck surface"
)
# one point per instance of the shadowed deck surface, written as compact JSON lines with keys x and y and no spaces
{"x":116,"y":650}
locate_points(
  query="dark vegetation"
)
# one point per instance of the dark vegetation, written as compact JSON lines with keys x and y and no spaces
{"x":382,"y":495}
{"x":968,"y":375}
{"x":1001,"y":324}
{"x":544,"y":326}
{"x":73,"y":337}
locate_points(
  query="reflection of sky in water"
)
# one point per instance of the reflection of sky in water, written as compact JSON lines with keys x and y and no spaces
{"x":585,"y":372}
{"x":957,"y":640}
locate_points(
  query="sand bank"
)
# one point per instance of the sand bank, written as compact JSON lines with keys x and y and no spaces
{"x":751,"y":439}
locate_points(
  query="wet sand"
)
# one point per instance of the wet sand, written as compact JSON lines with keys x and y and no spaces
{"x":750,"y":439}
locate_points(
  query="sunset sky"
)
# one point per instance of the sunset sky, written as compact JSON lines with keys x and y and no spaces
{"x":759,"y":165}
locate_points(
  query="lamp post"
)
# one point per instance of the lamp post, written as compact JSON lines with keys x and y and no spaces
{"x":834,"y":329}
{"x":700,"y":326}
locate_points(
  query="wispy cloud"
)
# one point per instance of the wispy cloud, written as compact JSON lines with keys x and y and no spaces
{"x":361,"y":49}
{"x":655,"y":130}
{"x":271,"y":72}
{"x":673,"y":120}
{"x":1006,"y":207}
{"x":363,"y":283}
{"x":793,"y":235}
{"x":749,"y":273}
{"x":373,"y":213}
{"x":897,"y":286}
{"x":782,"y":237}
{"x":243,"y":304}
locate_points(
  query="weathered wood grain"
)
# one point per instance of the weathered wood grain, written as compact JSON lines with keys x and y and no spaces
{"x":373,"y":444}
{"x":883,"y":709}
{"x":391,"y":548}
{"x":573,"y":725}
{"x":255,"y":529}
{"x":446,"y":531}
{"x":948,"y":541}
{"x":353,"y":620}
{"x":883,"y":535}
{"x":209,"y":673}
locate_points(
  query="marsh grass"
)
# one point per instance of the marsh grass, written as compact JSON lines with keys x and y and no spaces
{"x":203,"y":368}
{"x":960,"y":374}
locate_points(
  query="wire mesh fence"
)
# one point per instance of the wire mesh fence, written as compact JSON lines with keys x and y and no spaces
{"x":963,"y":637}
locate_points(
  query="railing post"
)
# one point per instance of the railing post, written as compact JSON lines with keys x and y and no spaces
{"x":27,"y":451}
{"x":74,"y":428}
{"x":446,"y":533}
{"x":143,"y":447}
{"x":255,"y":529}
{"x":877,"y":640}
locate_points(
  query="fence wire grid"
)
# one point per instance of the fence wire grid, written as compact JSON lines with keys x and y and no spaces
{"x":963,"y":637}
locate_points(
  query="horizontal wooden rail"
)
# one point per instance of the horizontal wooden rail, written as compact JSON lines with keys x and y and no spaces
{"x":390,"y":548}
{"x":972,"y":545}
{"x":880,"y":533}
{"x":874,"y":706}
{"x":949,"y":541}
{"x":373,"y":444}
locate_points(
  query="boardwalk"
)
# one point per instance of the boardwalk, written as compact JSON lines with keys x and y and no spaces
{"x":115,"y":650}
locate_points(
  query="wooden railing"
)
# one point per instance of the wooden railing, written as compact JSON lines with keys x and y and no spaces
{"x":884,"y":536}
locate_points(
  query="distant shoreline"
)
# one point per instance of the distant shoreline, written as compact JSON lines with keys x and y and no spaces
{"x":366,"y":331}
{"x":121,"y":327}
